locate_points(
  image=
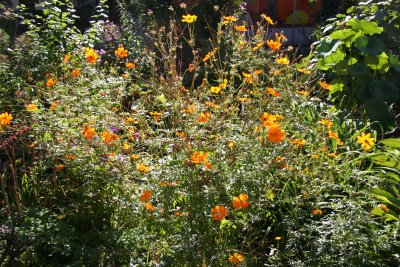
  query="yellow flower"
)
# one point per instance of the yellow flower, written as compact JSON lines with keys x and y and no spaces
{"x":326,"y":122}
{"x":304,"y":70}
{"x":121,"y":52}
{"x":241,"y":201}
{"x":258,"y":46}
{"x":236,"y":258}
{"x":241,"y":28}
{"x":268,"y":19}
{"x":282,"y":61}
{"x":145,"y":196}
{"x":142,"y":168}
{"x":189,"y":18}
{"x":211,"y":104}
{"x":5,"y":118}
{"x":31,"y":107}
{"x":219,"y":213}
{"x":126,"y":146}
{"x":275,"y":134}
{"x":129,"y":65}
{"x":303,"y":92}
{"x":298,"y":142}
{"x":324,"y":85}
{"x":199,"y":157}
{"x":247,"y":77}
{"x":228,"y":19}
{"x":366,"y":141}
{"x":215,"y":89}
{"x":91,"y":55}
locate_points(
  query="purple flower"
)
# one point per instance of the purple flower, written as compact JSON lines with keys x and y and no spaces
{"x":113,"y":129}
{"x":101,"y":52}
{"x":137,"y":136}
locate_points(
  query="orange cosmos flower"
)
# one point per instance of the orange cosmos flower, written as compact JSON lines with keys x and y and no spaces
{"x":333,"y":135}
{"x":275,"y":134}
{"x":5,"y":118}
{"x":204,"y":117}
{"x":67,"y":57}
{"x":59,"y":167}
{"x":317,"y":212}
{"x":324,"y":85}
{"x":121,"y":52}
{"x":88,"y":132}
{"x":241,"y":201}
{"x":236,"y":258}
{"x":210,"y":54}
{"x":273,"y":92}
{"x":258,"y":46}
{"x":148,"y":206}
{"x":108,"y":137}
{"x":241,"y":28}
{"x":156,"y":115}
{"x":219,"y":213}
{"x":145,"y":196}
{"x":199,"y":157}
{"x":91,"y":55}
{"x":384,"y":208}
{"x":76,"y":72}
{"x":54,"y":105}
{"x":50,"y":82}
{"x":276,"y":45}
{"x":31,"y":107}
{"x":270,"y":120}
{"x":129,"y":65}
{"x":142,"y":168}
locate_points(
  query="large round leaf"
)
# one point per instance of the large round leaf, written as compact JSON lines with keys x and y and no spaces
{"x":384,"y":90}
{"x":369,"y":46}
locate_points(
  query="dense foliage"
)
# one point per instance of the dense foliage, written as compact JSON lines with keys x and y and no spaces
{"x":114,"y":153}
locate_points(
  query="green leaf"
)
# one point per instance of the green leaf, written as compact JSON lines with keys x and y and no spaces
{"x":391,"y":142}
{"x":386,"y":160}
{"x":369,"y":46}
{"x":377,"y":211}
{"x":386,"y":197}
{"x":394,"y":62}
{"x":384,"y":90}
{"x":161,"y":99}
{"x":380,"y":63}
{"x":327,"y":47}
{"x":347,"y":36}
{"x":378,"y":110}
{"x":368,"y":27}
